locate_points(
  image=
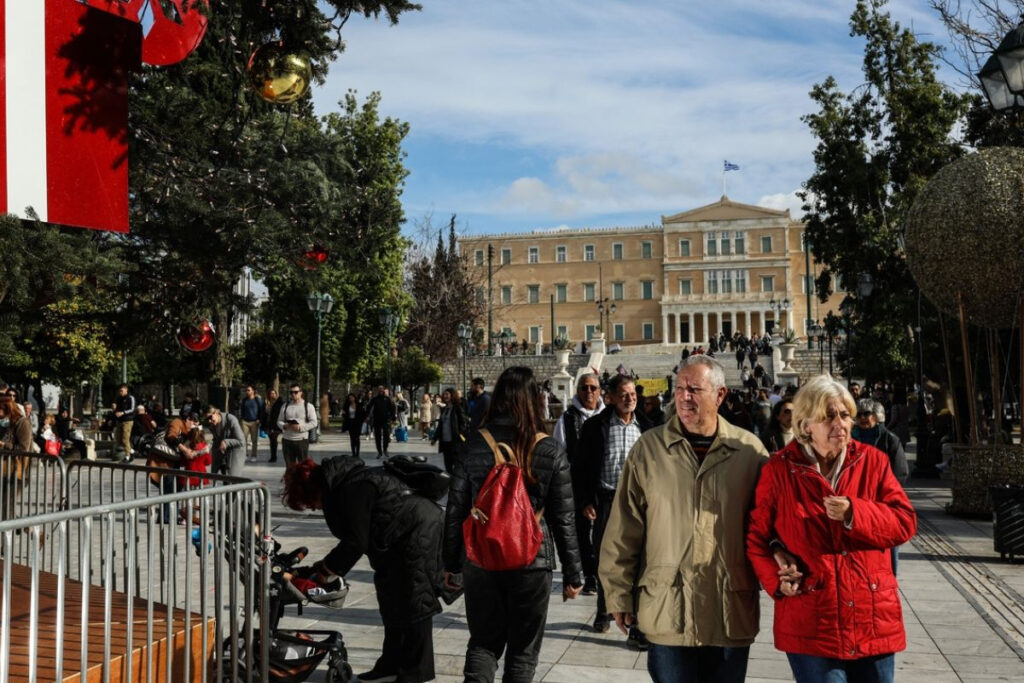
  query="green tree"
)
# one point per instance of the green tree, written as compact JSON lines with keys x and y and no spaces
{"x":877,"y":146}
{"x":444,"y":289}
{"x":223,"y":181}
{"x":414,"y":369}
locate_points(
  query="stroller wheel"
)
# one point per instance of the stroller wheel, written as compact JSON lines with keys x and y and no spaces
{"x":338,"y":671}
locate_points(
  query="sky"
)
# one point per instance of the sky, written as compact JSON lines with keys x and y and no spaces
{"x":538,"y":114}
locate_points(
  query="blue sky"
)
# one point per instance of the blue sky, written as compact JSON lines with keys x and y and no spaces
{"x":532,"y":114}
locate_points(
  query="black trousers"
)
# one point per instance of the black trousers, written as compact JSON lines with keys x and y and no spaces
{"x":604,"y":510}
{"x":354,"y":440}
{"x":449,"y":451}
{"x":584,"y":538}
{"x":382,"y":437}
{"x":273,"y":437}
{"x":408,"y":652}
{"x":506,"y":612}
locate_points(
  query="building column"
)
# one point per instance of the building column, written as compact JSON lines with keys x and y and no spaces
{"x":703,"y":329}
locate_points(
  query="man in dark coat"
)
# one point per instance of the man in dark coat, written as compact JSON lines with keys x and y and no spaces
{"x":372,"y":513}
{"x":604,"y":444}
{"x":479,"y":402}
{"x":381,"y":411}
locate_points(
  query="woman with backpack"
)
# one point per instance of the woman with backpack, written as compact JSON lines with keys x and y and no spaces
{"x":506,"y":610}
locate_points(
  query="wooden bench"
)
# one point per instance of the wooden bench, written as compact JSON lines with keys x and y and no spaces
{"x":158,"y":649}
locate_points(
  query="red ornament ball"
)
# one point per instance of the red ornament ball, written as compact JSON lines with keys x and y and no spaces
{"x":198,"y":337}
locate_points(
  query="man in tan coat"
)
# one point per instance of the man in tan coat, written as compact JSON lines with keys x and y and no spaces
{"x":673,"y":557}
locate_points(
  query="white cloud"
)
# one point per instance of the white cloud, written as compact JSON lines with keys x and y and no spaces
{"x":633,"y":104}
{"x":782,"y":201}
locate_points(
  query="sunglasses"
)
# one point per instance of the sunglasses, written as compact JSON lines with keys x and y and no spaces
{"x":869,"y":414}
{"x":295,"y":391}
{"x":589,"y":388}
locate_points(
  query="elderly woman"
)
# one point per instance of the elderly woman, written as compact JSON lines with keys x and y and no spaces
{"x":827,"y":510}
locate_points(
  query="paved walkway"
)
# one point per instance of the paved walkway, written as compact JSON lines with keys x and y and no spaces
{"x":963,"y":607}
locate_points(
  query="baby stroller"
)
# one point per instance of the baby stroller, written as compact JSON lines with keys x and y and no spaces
{"x":295,"y":654}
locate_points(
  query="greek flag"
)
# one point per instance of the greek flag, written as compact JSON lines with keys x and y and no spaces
{"x":731,"y":167}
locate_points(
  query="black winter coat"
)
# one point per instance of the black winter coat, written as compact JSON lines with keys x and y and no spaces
{"x":590,"y":453}
{"x":350,"y":424}
{"x":371,"y":512}
{"x":551,"y":491}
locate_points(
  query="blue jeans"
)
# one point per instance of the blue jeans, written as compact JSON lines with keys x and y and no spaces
{"x":677,"y":664}
{"x":811,"y":669}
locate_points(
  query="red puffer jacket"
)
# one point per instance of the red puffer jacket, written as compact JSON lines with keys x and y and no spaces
{"x":850,"y":604}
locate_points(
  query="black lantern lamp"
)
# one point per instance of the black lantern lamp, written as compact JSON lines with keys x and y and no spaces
{"x":1002,"y":77}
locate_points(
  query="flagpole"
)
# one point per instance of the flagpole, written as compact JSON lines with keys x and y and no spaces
{"x":724,"y":193}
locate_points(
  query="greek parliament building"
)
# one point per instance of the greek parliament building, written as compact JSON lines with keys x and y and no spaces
{"x":724,"y":267}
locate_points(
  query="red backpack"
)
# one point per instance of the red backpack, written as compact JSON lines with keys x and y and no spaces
{"x":502,"y":531}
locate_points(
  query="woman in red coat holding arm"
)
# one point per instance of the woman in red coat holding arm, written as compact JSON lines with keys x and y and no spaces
{"x":827,"y":510}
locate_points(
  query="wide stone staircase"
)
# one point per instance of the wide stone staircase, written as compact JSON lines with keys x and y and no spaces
{"x":656,"y":361}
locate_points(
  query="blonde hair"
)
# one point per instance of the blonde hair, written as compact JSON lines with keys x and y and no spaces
{"x":811,"y":403}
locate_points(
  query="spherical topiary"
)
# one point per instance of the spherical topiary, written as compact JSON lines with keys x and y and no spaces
{"x":965,"y":234}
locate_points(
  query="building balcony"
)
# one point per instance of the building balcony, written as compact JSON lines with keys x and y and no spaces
{"x":748,"y":298}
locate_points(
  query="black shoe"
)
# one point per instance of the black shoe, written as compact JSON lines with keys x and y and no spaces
{"x":601,"y":623}
{"x":637,"y":640}
{"x":272,"y":460}
{"x":590,"y":586}
{"x":375,"y":676}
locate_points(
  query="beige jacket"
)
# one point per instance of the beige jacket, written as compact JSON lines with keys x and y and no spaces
{"x":677,"y":533}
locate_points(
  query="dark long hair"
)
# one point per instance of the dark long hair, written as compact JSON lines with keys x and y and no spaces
{"x":516,"y":395}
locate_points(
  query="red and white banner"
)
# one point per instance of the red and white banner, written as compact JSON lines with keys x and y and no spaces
{"x":64,"y":112}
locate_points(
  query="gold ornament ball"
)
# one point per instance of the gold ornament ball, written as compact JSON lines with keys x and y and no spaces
{"x":965,"y":235}
{"x":279,"y":76}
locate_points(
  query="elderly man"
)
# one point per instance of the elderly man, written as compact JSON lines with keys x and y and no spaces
{"x":676,"y":530}
{"x":228,"y":447}
{"x":605,"y":443}
{"x":585,"y":404}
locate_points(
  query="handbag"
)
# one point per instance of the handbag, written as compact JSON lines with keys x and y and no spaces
{"x":52,"y":447}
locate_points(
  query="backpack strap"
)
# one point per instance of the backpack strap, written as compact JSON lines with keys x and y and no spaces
{"x":498,"y":448}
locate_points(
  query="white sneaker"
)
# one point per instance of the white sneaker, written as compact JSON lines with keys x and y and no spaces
{"x":250,"y":460}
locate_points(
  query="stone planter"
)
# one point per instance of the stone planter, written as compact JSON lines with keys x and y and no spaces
{"x":788,"y":352}
{"x":562,"y":357}
{"x":976,"y":468}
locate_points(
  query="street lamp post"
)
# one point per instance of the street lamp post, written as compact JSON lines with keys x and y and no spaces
{"x":390,"y":321}
{"x":817,"y":333}
{"x":465,"y":333}
{"x":778,"y":307}
{"x":604,"y":317}
{"x":321,"y":304}
{"x":1002,"y":76}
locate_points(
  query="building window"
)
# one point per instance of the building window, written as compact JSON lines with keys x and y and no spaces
{"x":591,"y":332}
{"x":533,"y":294}
{"x":647,"y":289}
{"x":617,"y":291}
{"x":726,"y":282}
{"x":686,"y":287}
{"x":767,"y":283}
{"x":617,"y":251}
{"x":560,"y":253}
{"x":563,"y":332}
{"x":506,"y":295}
{"x":588,"y":252}
{"x":726,"y":244}
{"x":478,"y":257}
{"x":619,"y":331}
{"x":766,"y":244}
{"x":561,"y":293}
{"x":711,"y":282}
{"x":506,"y":257}
{"x":741,"y":281}
{"x":808,"y":284}
{"x":588,"y":291}
{"x":533,"y":255}
{"x":534,"y":334}
{"x":684,"y":247}
{"x":645,"y":250}
{"x":711,"y":248}
{"x":648,"y":331}
{"x":481,"y":295}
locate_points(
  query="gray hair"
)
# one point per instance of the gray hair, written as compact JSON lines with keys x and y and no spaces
{"x":584,"y":377}
{"x":870,"y":405}
{"x":716,"y":373}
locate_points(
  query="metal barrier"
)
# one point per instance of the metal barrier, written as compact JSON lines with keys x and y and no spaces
{"x":129,"y":573}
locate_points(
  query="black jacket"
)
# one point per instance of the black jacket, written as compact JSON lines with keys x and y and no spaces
{"x":478,"y":408}
{"x":353,"y":425}
{"x":371,"y":512}
{"x":381,"y":410}
{"x":271,"y":415}
{"x":459,"y":421}
{"x":586,"y":468}
{"x":890,"y":444}
{"x":551,"y":491}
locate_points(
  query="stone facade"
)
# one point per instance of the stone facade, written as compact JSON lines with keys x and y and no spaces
{"x":724,"y":267}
